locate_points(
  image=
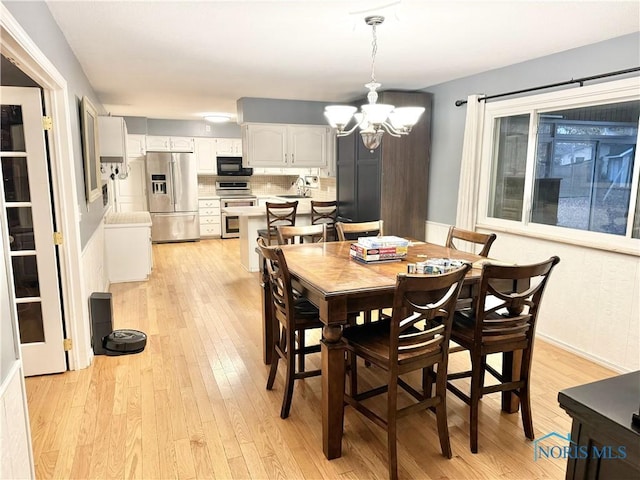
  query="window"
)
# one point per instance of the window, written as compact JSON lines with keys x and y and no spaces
{"x":564,"y":163}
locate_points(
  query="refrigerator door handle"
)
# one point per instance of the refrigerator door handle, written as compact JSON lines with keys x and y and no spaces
{"x":173,"y":183}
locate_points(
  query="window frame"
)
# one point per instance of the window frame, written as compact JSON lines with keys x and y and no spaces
{"x":609,"y":92}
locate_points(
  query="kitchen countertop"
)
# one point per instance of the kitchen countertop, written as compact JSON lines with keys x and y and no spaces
{"x":127,"y":219}
{"x":304,"y":208}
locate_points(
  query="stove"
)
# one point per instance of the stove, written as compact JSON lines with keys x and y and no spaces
{"x":233,"y":194}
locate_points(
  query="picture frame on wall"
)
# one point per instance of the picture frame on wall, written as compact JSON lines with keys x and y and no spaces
{"x":92,"y":177}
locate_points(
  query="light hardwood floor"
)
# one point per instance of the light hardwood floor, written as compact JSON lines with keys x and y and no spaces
{"x":194,"y":403}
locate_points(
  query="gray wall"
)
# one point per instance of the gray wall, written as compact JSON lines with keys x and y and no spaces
{"x":181,"y":128}
{"x":37,"y":21}
{"x":448,"y":120}
{"x":270,"y":110}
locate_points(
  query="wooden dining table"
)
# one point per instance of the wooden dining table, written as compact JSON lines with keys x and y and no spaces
{"x":339,"y":287}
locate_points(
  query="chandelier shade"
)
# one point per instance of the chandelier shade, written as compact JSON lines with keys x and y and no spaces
{"x":374,"y":119}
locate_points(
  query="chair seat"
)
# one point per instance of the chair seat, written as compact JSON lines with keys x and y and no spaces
{"x":372,"y":341}
{"x":306,"y":314}
{"x":463,"y":329}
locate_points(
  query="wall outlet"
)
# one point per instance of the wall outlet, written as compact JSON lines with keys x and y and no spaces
{"x":311,"y":181}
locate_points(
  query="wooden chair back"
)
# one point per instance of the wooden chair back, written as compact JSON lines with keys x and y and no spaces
{"x":302,"y":234}
{"x":327,"y":213}
{"x":505,"y":316}
{"x":279,"y":281}
{"x":429,"y":300}
{"x":351,"y":231}
{"x":481,"y":240}
{"x":279,"y":214}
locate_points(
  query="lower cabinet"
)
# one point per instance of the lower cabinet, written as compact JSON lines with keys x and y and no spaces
{"x":127,"y":240}
{"x":209,"y":210}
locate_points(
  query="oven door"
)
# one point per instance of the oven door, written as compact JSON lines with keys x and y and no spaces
{"x":231,"y":223}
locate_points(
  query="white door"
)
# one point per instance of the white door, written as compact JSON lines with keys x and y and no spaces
{"x":28,"y":231}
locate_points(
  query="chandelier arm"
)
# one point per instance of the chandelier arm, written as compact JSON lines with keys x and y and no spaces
{"x":392,"y":131}
{"x":350,"y":131}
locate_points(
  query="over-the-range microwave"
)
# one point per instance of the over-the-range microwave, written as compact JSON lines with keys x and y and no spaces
{"x":232,"y":167}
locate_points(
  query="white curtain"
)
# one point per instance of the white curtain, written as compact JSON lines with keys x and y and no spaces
{"x":470,"y":166}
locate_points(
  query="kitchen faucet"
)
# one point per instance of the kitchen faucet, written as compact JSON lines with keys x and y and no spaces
{"x":301,"y":187}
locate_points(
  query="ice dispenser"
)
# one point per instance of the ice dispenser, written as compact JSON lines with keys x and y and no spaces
{"x":159,"y":184}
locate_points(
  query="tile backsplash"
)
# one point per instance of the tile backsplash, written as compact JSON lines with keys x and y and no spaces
{"x":273,"y":185}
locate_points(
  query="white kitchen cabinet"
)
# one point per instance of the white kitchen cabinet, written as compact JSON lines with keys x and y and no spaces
{"x":161,"y":143}
{"x":205,"y":151}
{"x":127,"y":240}
{"x":136,"y":145}
{"x":230,"y":147}
{"x":290,"y":146}
{"x":112,"y":133}
{"x":209,"y":211}
{"x":131,"y":192}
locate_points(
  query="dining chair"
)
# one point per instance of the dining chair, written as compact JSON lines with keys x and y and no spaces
{"x":416,"y":337}
{"x":301,"y":234}
{"x":327,"y":213}
{"x":479,"y":240}
{"x":351,"y":231}
{"x":278,"y":213}
{"x":502,"y":321}
{"x":292,"y":315}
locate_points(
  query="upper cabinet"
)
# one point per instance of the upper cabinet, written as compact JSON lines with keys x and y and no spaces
{"x":205,"y":150}
{"x":161,"y":143}
{"x":112,"y":133}
{"x":277,"y":145}
{"x":228,"y":147}
{"x":136,"y":145}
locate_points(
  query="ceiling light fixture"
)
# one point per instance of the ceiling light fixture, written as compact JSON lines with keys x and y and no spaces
{"x":374,"y":118}
{"x":218,"y":118}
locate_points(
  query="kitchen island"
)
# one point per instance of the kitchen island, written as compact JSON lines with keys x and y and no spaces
{"x":253,"y":219}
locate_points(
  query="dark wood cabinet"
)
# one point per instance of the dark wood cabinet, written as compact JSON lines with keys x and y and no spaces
{"x":605,"y":441}
{"x":389,"y":183}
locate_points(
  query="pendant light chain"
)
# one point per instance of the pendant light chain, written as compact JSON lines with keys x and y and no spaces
{"x":374,"y":50}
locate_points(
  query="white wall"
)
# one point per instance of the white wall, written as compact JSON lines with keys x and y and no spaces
{"x":592,"y":302}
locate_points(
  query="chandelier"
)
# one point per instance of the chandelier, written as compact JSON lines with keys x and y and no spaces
{"x":374,"y":118}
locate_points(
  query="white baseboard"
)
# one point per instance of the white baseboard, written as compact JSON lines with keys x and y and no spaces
{"x":580,"y":353}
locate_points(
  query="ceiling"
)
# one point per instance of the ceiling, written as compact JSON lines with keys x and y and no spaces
{"x":182,"y":59}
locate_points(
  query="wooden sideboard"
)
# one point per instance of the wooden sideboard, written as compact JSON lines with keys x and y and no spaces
{"x":602,"y":415}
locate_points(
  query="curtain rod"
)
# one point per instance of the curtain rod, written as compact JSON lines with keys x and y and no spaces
{"x":551,"y":85}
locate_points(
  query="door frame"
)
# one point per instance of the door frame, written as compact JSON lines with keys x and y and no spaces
{"x":17,"y":46}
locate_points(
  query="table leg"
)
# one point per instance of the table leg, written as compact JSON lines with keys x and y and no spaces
{"x":511,"y":362}
{"x":332,"y":391}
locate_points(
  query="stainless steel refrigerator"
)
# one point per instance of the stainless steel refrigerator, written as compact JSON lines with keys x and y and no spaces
{"x":172,"y":189}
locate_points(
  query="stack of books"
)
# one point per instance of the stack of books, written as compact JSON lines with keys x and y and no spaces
{"x":379,"y":249}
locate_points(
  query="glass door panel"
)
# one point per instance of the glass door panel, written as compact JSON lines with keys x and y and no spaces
{"x":26,"y":219}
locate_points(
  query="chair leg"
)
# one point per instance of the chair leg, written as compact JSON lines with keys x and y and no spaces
{"x":525,"y":406}
{"x":441,"y":412}
{"x":275,"y":357}
{"x":427,"y":381}
{"x":290,"y":375}
{"x":353,"y":373}
{"x":477,"y":368}
{"x":301,"y":345}
{"x":392,"y":447}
